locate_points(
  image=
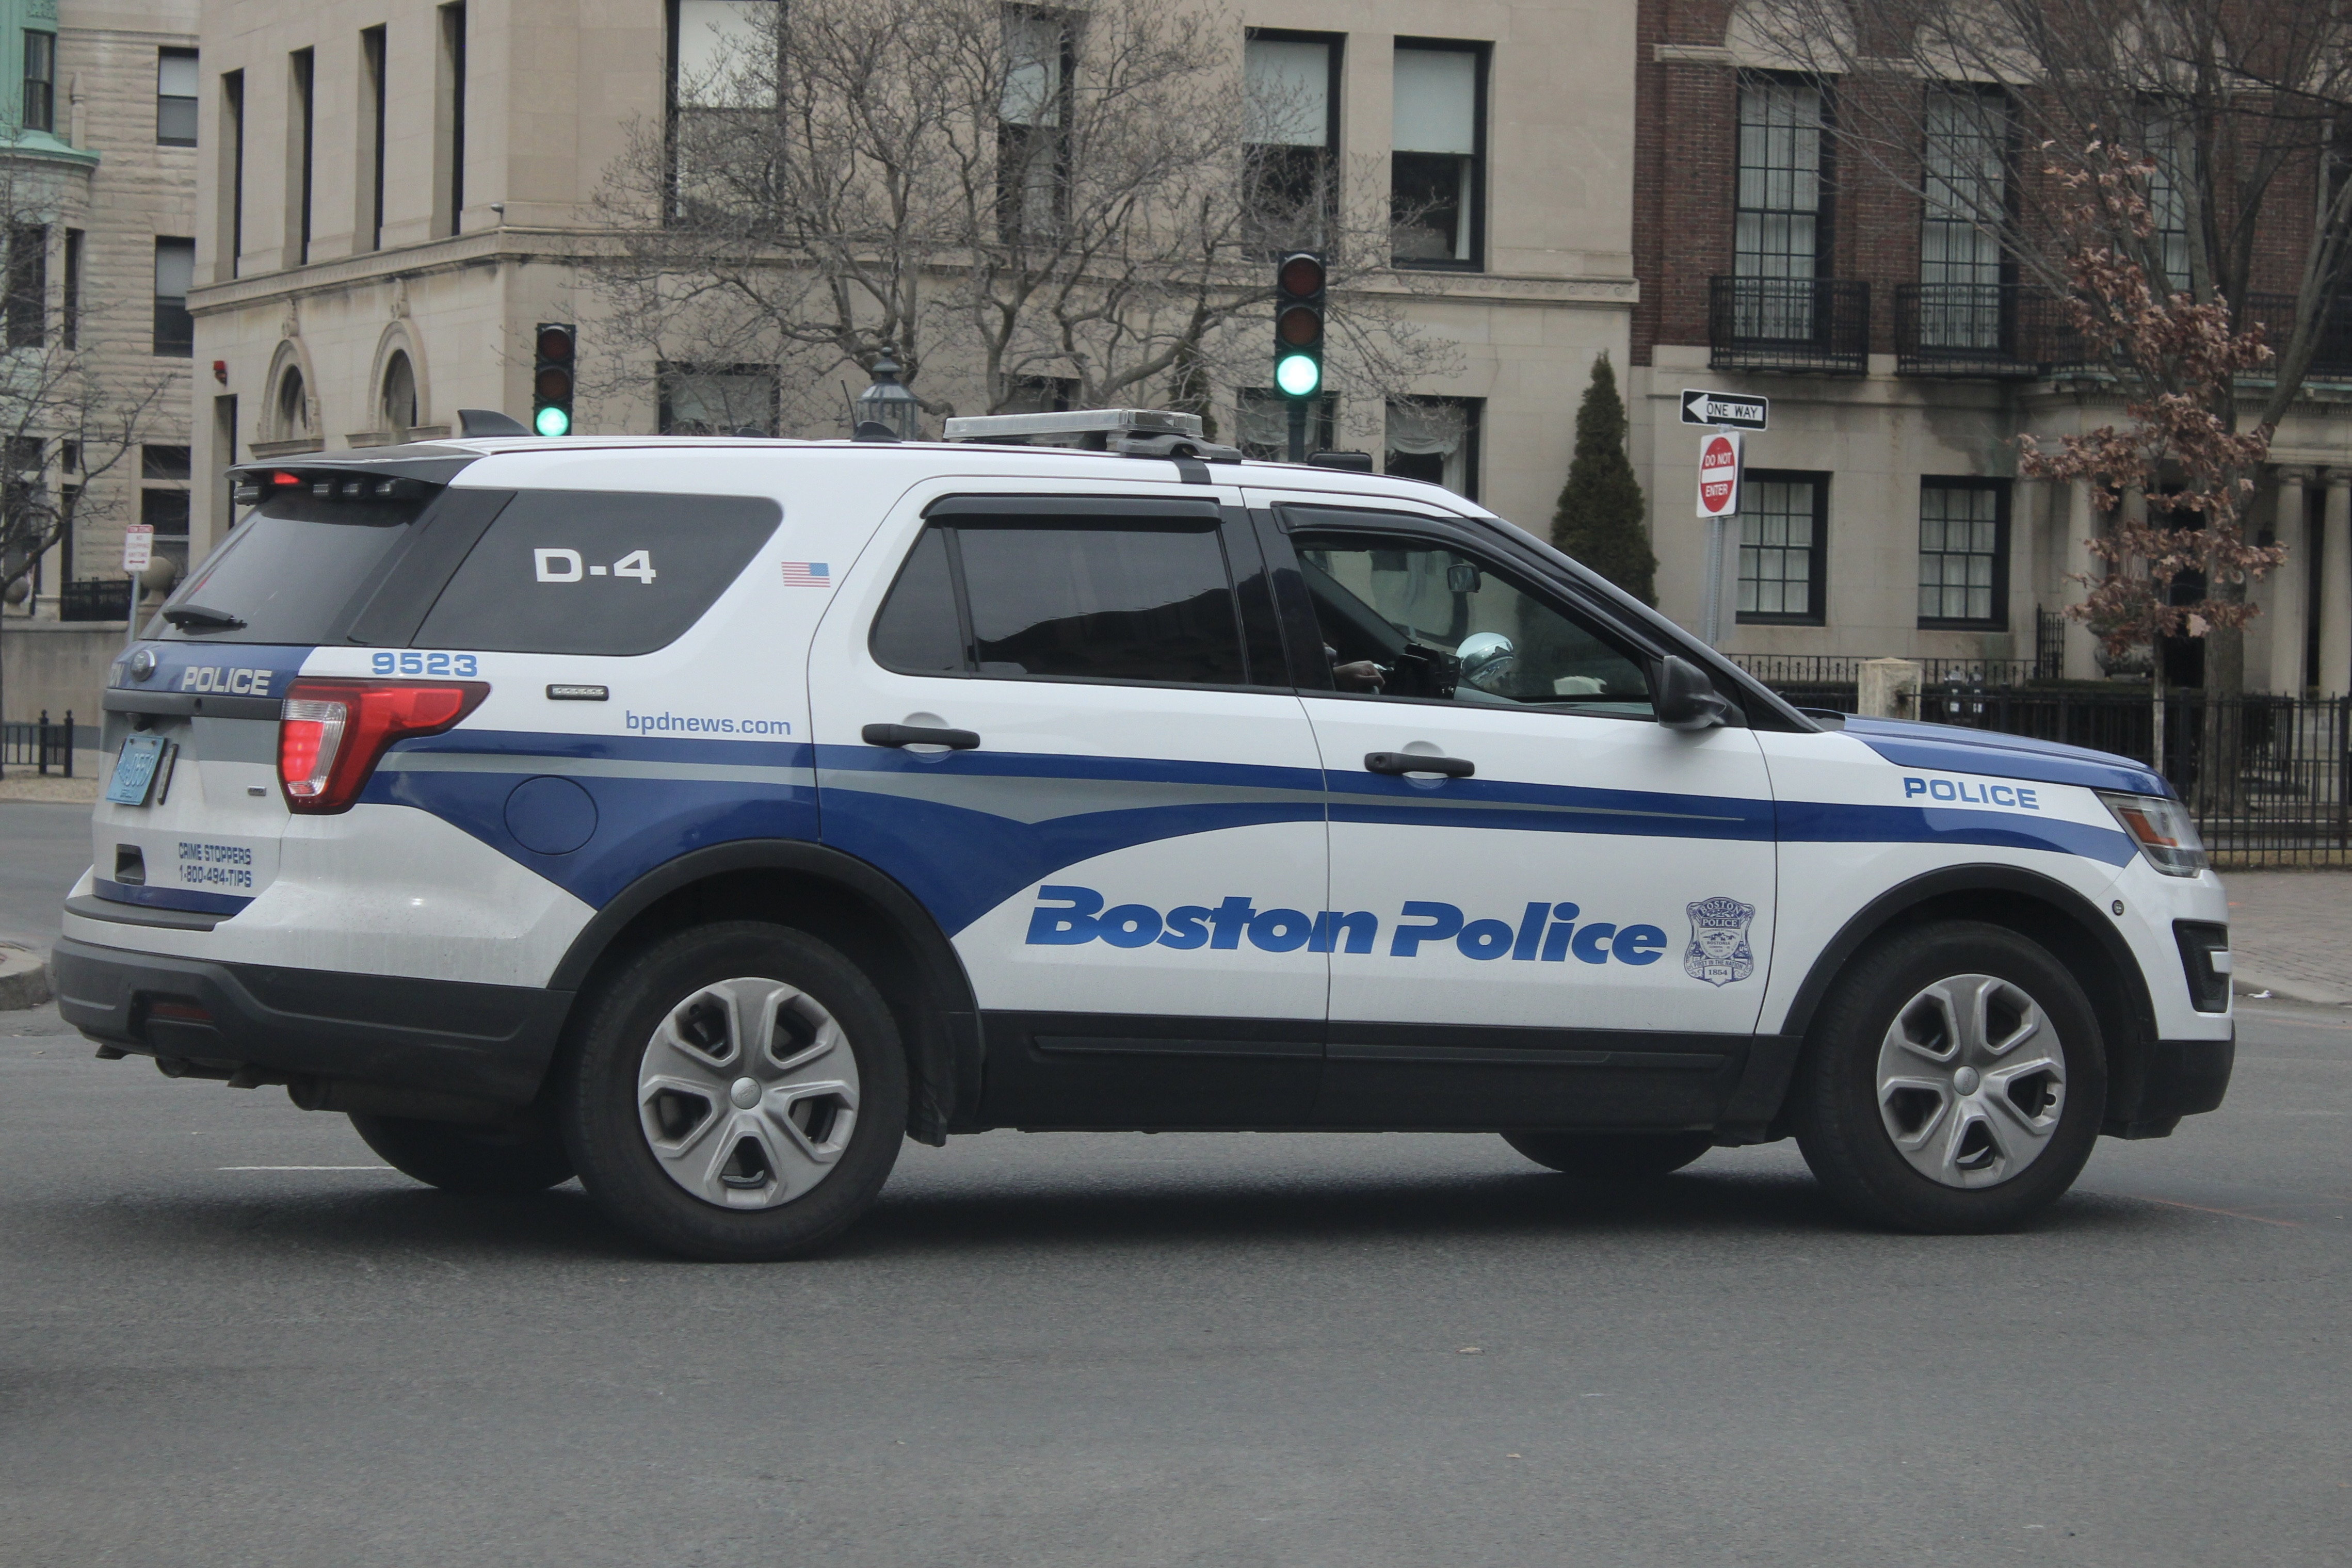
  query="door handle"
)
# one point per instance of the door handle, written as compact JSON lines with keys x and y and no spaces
{"x":918,"y":735}
{"x":1414,"y":762}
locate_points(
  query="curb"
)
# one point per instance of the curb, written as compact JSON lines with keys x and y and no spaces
{"x":24,"y":979}
{"x":2247,"y":982}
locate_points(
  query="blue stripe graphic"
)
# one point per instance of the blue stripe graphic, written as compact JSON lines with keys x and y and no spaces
{"x":1817,"y":822}
{"x":1947,"y":748}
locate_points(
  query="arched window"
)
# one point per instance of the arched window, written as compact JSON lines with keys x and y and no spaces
{"x":398,"y":403}
{"x":293,"y":408}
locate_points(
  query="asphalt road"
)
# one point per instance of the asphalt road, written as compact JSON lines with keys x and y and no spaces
{"x":230,"y":1338}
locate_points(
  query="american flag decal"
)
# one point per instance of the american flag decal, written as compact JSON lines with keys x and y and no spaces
{"x":806,"y":574}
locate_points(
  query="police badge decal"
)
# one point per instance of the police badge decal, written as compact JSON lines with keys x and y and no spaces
{"x":1718,"y":952}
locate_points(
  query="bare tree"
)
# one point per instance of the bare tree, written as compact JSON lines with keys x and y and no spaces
{"x":1012,"y":203}
{"x":2228,"y":115}
{"x":66,"y":426}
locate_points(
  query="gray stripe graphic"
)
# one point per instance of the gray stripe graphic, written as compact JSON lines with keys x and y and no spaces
{"x":1034,"y":801}
{"x":592,"y":767}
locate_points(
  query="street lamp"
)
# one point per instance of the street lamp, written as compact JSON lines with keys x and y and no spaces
{"x":889,"y":404}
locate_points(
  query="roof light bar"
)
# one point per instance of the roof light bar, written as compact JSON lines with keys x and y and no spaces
{"x":1104,"y":421}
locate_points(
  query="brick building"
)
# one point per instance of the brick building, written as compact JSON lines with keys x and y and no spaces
{"x":1884,"y":513}
{"x":104,"y":125}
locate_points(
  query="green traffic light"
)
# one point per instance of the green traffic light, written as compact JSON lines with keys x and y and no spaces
{"x":554,"y":422}
{"x":1298,"y":374}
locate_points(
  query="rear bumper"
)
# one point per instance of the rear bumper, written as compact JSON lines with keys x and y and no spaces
{"x":2178,"y":1078}
{"x":491,"y":1042}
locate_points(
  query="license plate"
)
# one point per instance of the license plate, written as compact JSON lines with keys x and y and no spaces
{"x":134,"y":770}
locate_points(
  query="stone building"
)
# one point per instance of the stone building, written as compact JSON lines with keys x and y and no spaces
{"x":1883,"y":515}
{"x":104,"y":123}
{"x":395,"y":195}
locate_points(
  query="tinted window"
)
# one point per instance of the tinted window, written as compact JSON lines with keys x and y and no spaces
{"x":291,"y":571}
{"x":582,"y":571}
{"x":917,"y":632}
{"x":1405,"y":617}
{"x":1086,"y":601}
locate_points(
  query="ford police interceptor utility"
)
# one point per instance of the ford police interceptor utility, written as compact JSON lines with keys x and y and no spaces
{"x":700,"y":816}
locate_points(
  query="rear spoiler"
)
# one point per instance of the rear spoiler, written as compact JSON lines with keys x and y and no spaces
{"x":384,"y":473}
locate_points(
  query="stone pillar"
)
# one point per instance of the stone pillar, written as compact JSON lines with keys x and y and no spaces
{"x":2335,"y":674}
{"x":2081,"y":522}
{"x":2289,"y":593}
{"x":1887,"y":688}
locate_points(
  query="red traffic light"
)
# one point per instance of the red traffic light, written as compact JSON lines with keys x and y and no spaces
{"x":1300,"y":276}
{"x":1299,"y":326}
{"x":555,"y":343}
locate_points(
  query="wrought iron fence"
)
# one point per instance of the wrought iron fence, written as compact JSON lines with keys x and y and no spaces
{"x":95,"y":598}
{"x":1789,"y":324}
{"x":41,"y":746}
{"x":1810,"y":670}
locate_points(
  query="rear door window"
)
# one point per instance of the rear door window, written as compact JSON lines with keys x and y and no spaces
{"x":1065,"y":596}
{"x":289,"y":572}
{"x":578,"y":571}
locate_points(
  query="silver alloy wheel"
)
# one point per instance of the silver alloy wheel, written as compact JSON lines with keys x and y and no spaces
{"x":748,"y":1093}
{"x":1971,"y":1081}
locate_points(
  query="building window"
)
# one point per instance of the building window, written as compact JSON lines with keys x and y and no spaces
{"x":449,"y":143}
{"x":175,"y":98}
{"x":1965,"y":169}
{"x":70,"y":316}
{"x":41,"y":81}
{"x":302,"y":76}
{"x":28,"y":304}
{"x":373,"y":87}
{"x":396,"y":408}
{"x":1963,"y":552}
{"x":291,"y":413}
{"x":1436,"y":439}
{"x":1438,"y":143}
{"x":1781,"y":227}
{"x":176,"y":274}
{"x":1784,"y":548}
{"x":232,"y":185}
{"x":717,"y":400}
{"x":2171,"y":147}
{"x":1264,"y":430}
{"x":1291,"y":135}
{"x":1032,"y":137}
{"x":724,"y":68}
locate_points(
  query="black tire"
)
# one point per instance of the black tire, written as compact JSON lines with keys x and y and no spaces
{"x":522,"y":1157}
{"x":1850,"y":1140}
{"x":598,"y":1096}
{"x":1612,"y":1156}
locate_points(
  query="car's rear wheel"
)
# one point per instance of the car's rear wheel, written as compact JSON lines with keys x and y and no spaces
{"x":1954,"y":1082}
{"x":524,"y":1155}
{"x":737,"y":1092}
{"x":1612,"y":1156}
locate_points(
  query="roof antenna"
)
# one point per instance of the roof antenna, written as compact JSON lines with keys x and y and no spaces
{"x":488,"y":421}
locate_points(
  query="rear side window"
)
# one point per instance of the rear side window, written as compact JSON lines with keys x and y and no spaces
{"x":1067,"y":598}
{"x":288,"y":572}
{"x":581,"y":571}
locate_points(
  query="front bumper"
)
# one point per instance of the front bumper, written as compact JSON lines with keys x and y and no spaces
{"x":2176,"y":1078}
{"x":486,"y":1043}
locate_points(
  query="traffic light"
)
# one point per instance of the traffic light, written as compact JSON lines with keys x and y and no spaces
{"x":551,"y":376}
{"x":1298,"y":325}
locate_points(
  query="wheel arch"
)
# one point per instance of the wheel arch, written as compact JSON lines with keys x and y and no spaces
{"x":2039,"y":907}
{"x":840,"y":899}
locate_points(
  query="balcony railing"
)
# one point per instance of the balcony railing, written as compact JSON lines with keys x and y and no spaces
{"x":1991,"y":329}
{"x":1789,"y":324}
{"x":2331,"y":357}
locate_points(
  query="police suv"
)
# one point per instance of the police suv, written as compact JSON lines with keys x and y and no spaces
{"x":700,"y":816}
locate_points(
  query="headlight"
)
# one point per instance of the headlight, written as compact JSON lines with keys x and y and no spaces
{"x":2160,"y":827}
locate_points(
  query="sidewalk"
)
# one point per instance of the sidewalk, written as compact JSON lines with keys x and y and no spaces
{"x":2291,"y":933}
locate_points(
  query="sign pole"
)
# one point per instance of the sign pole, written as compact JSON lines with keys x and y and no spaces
{"x":1718,"y":502}
{"x":1713,"y":632}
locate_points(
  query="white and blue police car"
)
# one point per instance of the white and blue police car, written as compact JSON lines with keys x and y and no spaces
{"x":703,"y":815}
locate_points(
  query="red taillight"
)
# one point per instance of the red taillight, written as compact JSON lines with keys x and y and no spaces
{"x":333,"y":732}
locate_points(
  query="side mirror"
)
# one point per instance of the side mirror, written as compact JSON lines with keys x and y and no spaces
{"x":1683,"y":697}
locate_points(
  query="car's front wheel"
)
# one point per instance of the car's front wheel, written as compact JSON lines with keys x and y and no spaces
{"x":737,"y":1092}
{"x":1954,"y":1082}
